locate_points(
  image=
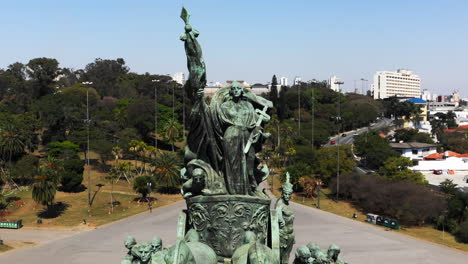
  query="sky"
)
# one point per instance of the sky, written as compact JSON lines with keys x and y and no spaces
{"x":249,"y":40}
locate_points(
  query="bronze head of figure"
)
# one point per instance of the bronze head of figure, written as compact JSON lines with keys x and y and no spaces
{"x":287,"y":189}
{"x":236,"y":90}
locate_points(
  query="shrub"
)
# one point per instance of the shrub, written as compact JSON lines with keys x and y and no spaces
{"x":72,"y":174}
{"x":140,"y":185}
{"x":25,"y":169}
{"x":410,"y":203}
{"x":462,"y":233}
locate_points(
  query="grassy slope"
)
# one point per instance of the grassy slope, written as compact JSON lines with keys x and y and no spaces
{"x":77,"y":209}
{"x":347,"y":210}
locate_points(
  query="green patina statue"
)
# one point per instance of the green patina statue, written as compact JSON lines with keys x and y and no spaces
{"x":228,"y":219}
{"x":225,"y":135}
{"x":312,"y":254}
{"x":303,"y":256}
{"x":286,"y":221}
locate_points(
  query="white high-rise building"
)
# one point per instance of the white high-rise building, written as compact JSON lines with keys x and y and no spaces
{"x":426,"y":95}
{"x":179,"y":77}
{"x":332,"y":83}
{"x":456,"y":97}
{"x":284,"y":81}
{"x":297,"y":80}
{"x":402,"y":83}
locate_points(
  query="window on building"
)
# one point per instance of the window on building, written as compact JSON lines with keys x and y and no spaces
{"x":415,"y":152}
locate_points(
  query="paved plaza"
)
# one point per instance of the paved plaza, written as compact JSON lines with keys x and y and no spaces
{"x":361,"y":243}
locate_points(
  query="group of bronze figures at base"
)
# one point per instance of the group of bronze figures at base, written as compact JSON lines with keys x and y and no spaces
{"x":194,"y":252}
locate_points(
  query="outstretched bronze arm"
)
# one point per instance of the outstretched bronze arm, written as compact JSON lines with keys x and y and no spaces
{"x":195,"y":63}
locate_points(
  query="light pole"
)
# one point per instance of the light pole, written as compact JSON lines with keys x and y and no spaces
{"x":173,"y":99}
{"x":299,"y":105}
{"x":339,"y":83}
{"x":155,"y":114}
{"x":313,"y":115}
{"x":183,"y":112}
{"x":148,"y":184}
{"x":87,"y":148}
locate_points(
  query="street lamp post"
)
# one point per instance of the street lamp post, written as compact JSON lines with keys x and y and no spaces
{"x":339,"y":83}
{"x":148,"y":184}
{"x":155,"y":114}
{"x":87,"y":148}
{"x":299,"y":106}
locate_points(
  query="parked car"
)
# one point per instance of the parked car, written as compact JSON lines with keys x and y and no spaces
{"x":343,"y":135}
{"x":437,"y":172}
{"x":332,"y":142}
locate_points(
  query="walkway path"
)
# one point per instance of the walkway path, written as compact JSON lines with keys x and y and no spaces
{"x":361,"y":243}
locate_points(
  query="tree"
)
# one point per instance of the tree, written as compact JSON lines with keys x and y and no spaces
{"x":448,"y":187}
{"x":327,"y":159}
{"x":143,"y":185}
{"x":105,"y":75}
{"x":25,"y":169}
{"x":309,"y":186}
{"x":273,"y":94}
{"x":396,"y":169}
{"x":172,"y":132}
{"x":167,"y":166}
{"x":111,"y":177}
{"x":43,"y":72}
{"x":297,"y":171}
{"x":462,"y":233}
{"x":71,"y":176}
{"x":374,"y":149}
{"x":412,"y":135}
{"x":45,"y":185}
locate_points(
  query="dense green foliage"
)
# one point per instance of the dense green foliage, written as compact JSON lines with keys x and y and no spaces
{"x":396,"y":169}
{"x":411,"y":204}
{"x":374,"y":149}
{"x":144,"y":185}
{"x":412,"y":135}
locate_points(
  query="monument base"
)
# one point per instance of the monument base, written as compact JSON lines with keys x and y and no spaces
{"x":221,"y":221}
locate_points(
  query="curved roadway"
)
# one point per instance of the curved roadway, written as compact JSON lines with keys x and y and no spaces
{"x":361,"y":243}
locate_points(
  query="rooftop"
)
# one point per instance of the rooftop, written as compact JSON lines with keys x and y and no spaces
{"x":411,"y":145}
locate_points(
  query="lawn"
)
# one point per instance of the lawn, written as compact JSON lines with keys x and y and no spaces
{"x":72,"y":208}
{"x":347,"y":210}
{"x":4,"y":248}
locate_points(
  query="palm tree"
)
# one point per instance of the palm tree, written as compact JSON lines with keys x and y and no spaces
{"x":143,"y":185}
{"x":113,"y":175}
{"x":167,"y":170}
{"x":45,"y":187}
{"x":138,"y":148}
{"x":11,"y":142}
{"x":172,"y":132}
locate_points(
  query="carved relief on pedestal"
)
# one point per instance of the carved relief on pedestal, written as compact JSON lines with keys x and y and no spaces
{"x":221,"y":221}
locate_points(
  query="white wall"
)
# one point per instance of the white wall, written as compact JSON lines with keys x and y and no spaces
{"x":451,"y":163}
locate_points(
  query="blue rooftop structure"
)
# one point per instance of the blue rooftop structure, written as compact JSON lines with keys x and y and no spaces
{"x":417,"y":101}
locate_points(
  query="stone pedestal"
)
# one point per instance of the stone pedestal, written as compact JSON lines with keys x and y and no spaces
{"x":222,"y":220}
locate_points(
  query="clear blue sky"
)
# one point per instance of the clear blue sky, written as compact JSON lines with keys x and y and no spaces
{"x":250,"y":40}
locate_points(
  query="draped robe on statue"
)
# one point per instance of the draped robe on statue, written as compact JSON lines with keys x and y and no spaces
{"x":237,"y":120}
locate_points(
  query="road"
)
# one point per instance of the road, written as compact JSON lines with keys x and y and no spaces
{"x":361,"y":243}
{"x":349,"y":139}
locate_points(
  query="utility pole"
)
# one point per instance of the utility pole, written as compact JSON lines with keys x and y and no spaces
{"x":299,"y":106}
{"x":87,"y":147}
{"x":313,"y":115}
{"x":173,"y":100}
{"x":339,"y":83}
{"x":183,"y":112}
{"x":155,"y":114}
